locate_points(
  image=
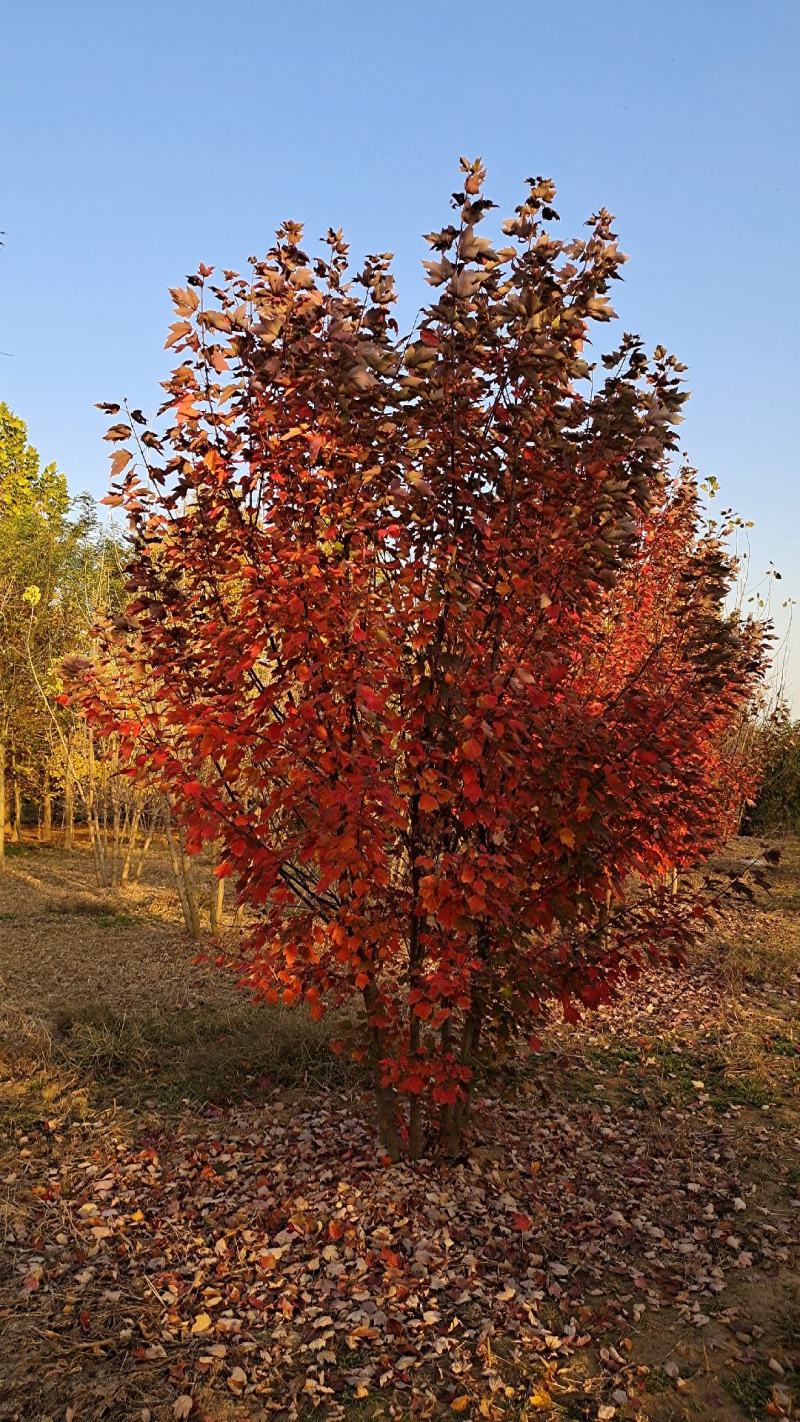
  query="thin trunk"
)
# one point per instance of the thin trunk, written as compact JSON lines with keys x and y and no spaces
{"x":601,"y":935}
{"x":415,"y":1132}
{"x":456,"y":1117}
{"x":103,"y":824}
{"x":98,"y":849}
{"x":671,"y":880}
{"x":2,"y":804}
{"x":215,"y":903}
{"x":16,"y":799}
{"x":386,"y":1102}
{"x":116,"y":828}
{"x":46,"y":832}
{"x":145,"y":849}
{"x":93,"y":821}
{"x":16,"y":827}
{"x":176,"y":874}
{"x":69,"y":803}
{"x":188,"y":883}
{"x":115,"y":845}
{"x":183,"y":885}
{"x":385,"y":1096}
{"x":133,"y":830}
{"x":416,"y":955}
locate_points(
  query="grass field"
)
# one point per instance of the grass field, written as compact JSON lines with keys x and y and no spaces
{"x":196,"y":1223}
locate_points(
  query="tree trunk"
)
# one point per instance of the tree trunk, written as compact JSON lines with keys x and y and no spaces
{"x":145,"y":849}
{"x":69,"y":798}
{"x":385,"y":1096}
{"x":176,"y":874}
{"x":415,"y":1132}
{"x":112,"y":791}
{"x":183,"y":884}
{"x":2,"y":804}
{"x":188,"y":884}
{"x":452,"y":1128}
{"x":93,"y":820}
{"x":455,"y":1118}
{"x":215,"y":904}
{"x":386,"y":1103}
{"x":16,"y":800}
{"x":69,"y":812}
{"x":416,"y":956}
{"x":16,"y":827}
{"x":46,"y":830}
{"x":116,"y":867}
{"x":132,"y":831}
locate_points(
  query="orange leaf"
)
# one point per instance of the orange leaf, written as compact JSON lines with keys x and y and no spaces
{"x":119,"y":459}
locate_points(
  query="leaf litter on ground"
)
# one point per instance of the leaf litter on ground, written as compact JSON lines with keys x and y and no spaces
{"x":265,"y":1253}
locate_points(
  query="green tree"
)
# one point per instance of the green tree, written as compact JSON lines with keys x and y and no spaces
{"x":776,"y":808}
{"x":49,"y":549}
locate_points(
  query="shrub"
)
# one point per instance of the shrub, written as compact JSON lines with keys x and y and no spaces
{"x":429,"y":633}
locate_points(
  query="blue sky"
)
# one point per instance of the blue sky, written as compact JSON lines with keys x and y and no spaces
{"x":140,"y":139}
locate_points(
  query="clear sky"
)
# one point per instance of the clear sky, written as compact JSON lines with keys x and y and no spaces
{"x":141,"y":138}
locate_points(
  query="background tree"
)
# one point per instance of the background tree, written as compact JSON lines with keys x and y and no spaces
{"x":776,"y":807}
{"x":54,"y":565}
{"x":434,"y":636}
{"x":123,"y":800}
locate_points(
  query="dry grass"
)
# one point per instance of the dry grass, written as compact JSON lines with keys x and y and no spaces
{"x":761,"y":944}
{"x":103,"y":989}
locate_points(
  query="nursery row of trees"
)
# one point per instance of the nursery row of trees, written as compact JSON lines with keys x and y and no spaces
{"x":428,"y":639}
{"x":56,"y":569}
{"x":60,"y":576}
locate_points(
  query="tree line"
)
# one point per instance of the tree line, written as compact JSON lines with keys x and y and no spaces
{"x":61,"y":574}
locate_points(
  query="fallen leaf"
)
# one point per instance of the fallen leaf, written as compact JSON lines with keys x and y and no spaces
{"x":237,"y":1379}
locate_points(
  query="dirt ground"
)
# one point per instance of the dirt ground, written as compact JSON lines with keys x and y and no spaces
{"x":196,"y":1223}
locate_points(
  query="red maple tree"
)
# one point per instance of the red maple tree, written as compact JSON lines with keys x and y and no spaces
{"x":432,"y":637}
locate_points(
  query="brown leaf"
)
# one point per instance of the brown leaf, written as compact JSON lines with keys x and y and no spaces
{"x":237,"y":1379}
{"x":177,"y":330}
{"x":119,"y":459}
{"x":184,"y":300}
